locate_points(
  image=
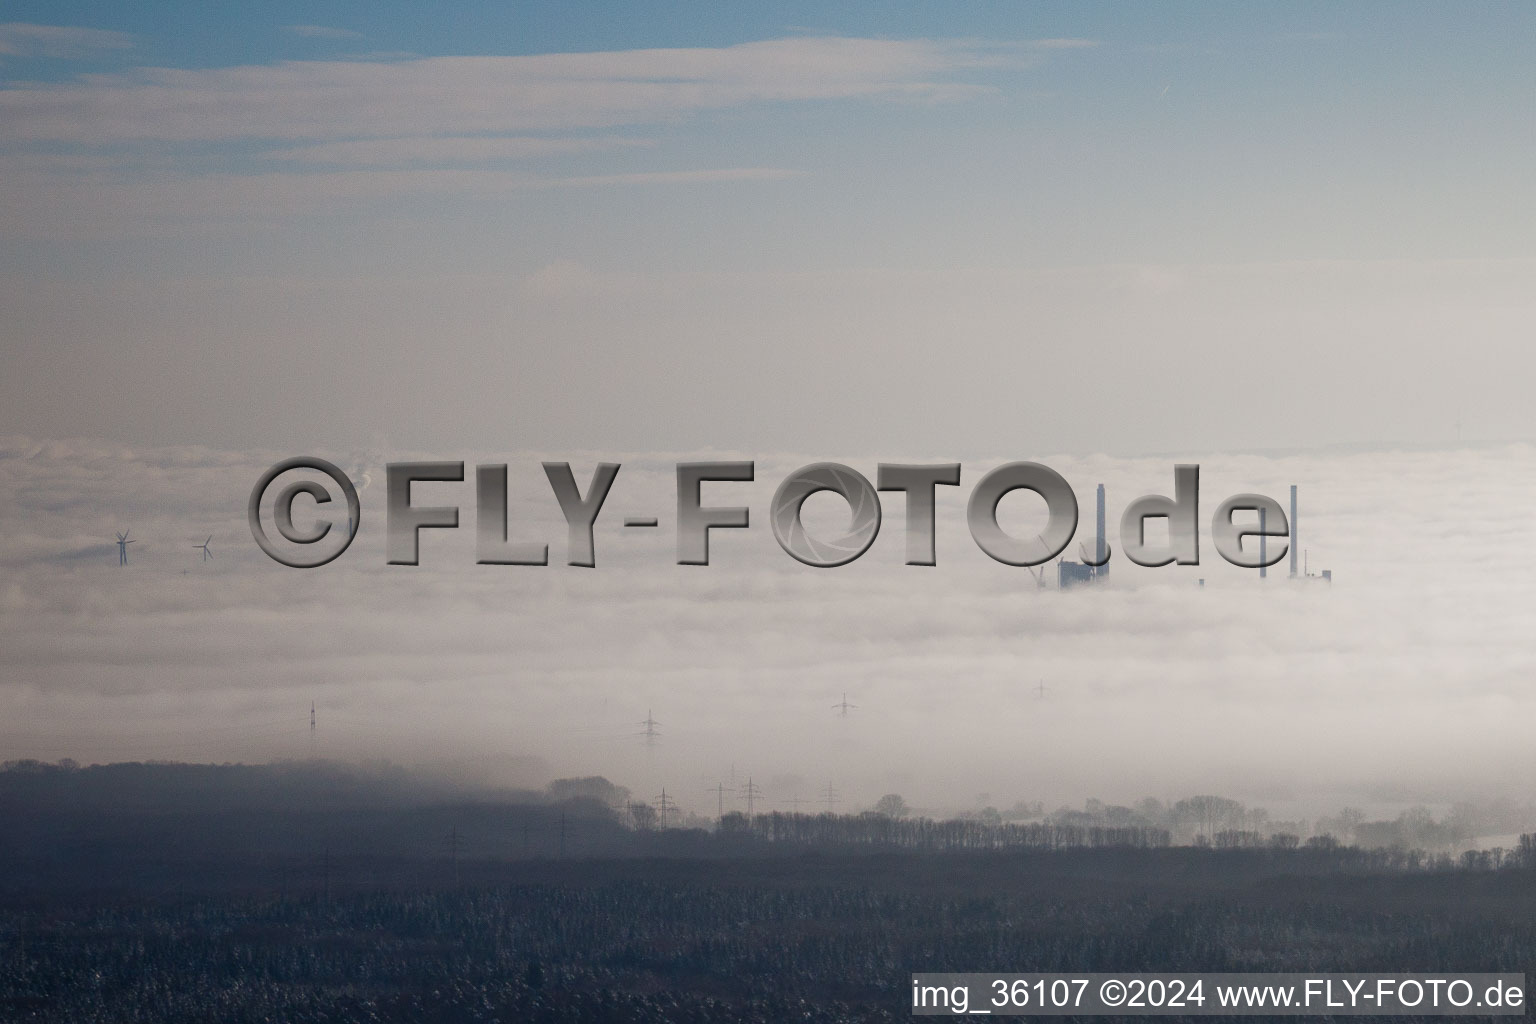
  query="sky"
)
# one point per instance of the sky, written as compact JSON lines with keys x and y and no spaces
{"x":1289,"y":242}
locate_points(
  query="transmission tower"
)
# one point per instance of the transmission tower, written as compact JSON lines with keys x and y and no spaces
{"x":829,"y":797}
{"x":719,"y":789}
{"x":751,"y":791}
{"x":650,"y":731}
{"x":663,"y":805}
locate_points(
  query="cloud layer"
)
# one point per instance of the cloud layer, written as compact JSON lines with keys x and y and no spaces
{"x":476,"y":95}
{"x":1408,"y":679}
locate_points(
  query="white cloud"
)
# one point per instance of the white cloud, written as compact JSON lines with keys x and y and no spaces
{"x":365,"y":130}
{"x":19,"y":39}
{"x":479,"y":95}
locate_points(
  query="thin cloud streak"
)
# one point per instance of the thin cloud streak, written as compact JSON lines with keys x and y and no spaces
{"x":322,"y":32}
{"x":441,"y":151}
{"x":480,"y":95}
{"x":21,"y":39}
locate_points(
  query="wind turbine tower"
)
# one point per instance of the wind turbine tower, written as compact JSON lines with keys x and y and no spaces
{"x":122,"y":546}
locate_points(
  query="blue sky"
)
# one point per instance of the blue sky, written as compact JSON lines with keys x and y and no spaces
{"x":208,"y":35}
{"x":1189,"y":132}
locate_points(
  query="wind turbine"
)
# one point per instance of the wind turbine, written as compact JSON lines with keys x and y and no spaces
{"x":204,"y":546}
{"x":122,"y":546}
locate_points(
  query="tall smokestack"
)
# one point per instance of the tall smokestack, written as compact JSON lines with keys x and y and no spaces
{"x":1263,"y":547}
{"x":1293,"y":531}
{"x":1098,"y":551}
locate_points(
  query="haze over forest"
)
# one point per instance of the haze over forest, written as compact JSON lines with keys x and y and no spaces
{"x":1292,"y":245}
{"x":1402,"y":682}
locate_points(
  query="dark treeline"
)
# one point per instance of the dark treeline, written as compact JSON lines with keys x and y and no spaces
{"x":308,"y":893}
{"x":871,"y":829}
{"x":1219,"y":821}
{"x":137,"y":828}
{"x":155,"y":828}
{"x":140,"y":828}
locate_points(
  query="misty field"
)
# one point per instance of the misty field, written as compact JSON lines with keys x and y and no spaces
{"x":820,"y":936}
